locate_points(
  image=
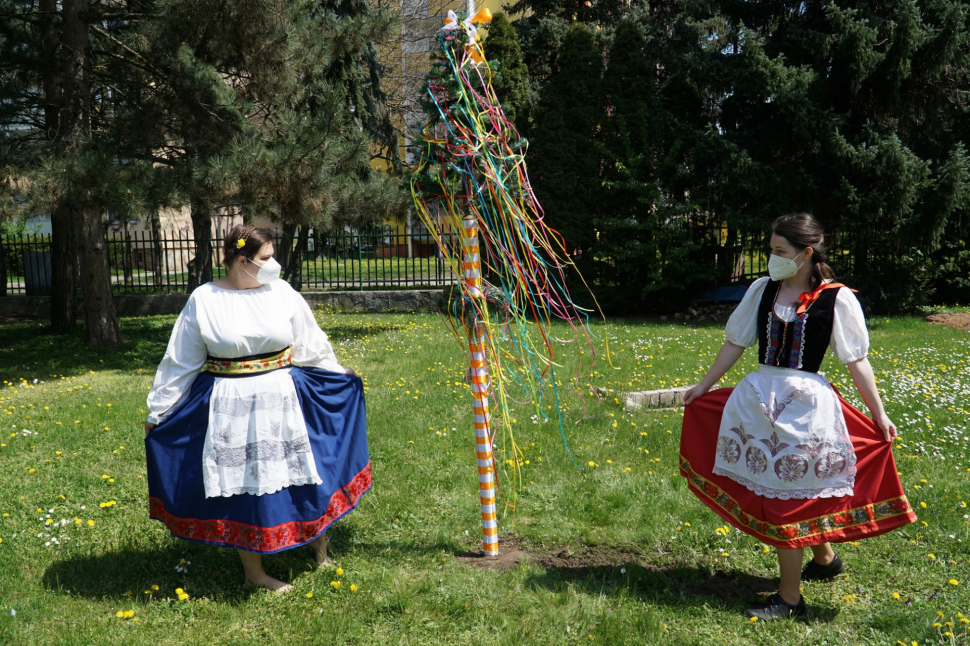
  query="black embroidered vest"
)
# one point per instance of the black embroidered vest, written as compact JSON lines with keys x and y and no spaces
{"x":801,"y":344}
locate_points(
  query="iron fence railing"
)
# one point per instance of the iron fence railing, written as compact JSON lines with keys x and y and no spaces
{"x":141,"y":263}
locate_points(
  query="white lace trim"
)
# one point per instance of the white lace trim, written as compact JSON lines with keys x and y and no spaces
{"x":266,"y":489}
{"x":793,"y":494}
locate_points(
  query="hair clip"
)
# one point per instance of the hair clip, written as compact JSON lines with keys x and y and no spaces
{"x":240,"y":243}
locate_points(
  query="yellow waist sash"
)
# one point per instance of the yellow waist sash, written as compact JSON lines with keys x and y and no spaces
{"x":248,"y":366}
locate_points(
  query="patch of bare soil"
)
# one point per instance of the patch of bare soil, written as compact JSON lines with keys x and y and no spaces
{"x":576,"y":560}
{"x":959,"y":320}
{"x":511,"y":553}
{"x":729,"y":587}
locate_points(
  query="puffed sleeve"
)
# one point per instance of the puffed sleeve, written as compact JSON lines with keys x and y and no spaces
{"x":311,"y":347}
{"x":742,"y":327}
{"x":184,"y":357}
{"x":850,"y":339}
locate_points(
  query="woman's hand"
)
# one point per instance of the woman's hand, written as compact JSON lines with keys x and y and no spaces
{"x":697,"y":391}
{"x":148,"y":428}
{"x":351,"y":372}
{"x":886,"y":426}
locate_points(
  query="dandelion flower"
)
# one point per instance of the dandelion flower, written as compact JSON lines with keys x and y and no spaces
{"x":353,"y":588}
{"x":309,"y":595}
{"x":954,"y":582}
{"x":340,"y":571}
{"x":896,"y":596}
{"x":753,"y":619}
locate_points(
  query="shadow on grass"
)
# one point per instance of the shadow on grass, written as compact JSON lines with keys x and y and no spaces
{"x":27,"y":349}
{"x":671,"y":586}
{"x":214,"y":572}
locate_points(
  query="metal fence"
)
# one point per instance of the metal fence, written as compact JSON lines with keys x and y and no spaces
{"x":142,"y":264}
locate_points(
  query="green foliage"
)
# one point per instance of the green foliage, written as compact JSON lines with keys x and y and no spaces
{"x":510,"y":75}
{"x":737,"y":113}
{"x":562,"y":167}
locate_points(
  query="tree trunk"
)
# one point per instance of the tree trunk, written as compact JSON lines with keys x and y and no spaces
{"x":128,"y":256}
{"x":200,"y":268}
{"x":157,"y":252}
{"x":63,"y":261}
{"x":284,"y":252}
{"x":3,"y":270}
{"x":100,"y":316}
{"x":296,"y":259}
{"x":53,"y":69}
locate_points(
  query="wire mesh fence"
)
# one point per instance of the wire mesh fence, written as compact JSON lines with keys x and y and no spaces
{"x":141,"y":263}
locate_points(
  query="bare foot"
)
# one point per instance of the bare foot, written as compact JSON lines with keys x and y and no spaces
{"x":320,"y":550}
{"x":268,"y":582}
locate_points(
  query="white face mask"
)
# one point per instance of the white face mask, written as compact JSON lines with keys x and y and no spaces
{"x":781,"y":268}
{"x":268,"y":271}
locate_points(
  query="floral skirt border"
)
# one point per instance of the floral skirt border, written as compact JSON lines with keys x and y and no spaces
{"x":861,"y":522}
{"x":264,"y":540}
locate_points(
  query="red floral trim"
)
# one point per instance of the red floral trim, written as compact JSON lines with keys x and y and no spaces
{"x":264,"y":540}
{"x":861,"y":522}
{"x":224,"y":367}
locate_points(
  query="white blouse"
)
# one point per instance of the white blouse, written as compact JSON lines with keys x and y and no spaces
{"x":228,"y":324}
{"x":850,"y":339}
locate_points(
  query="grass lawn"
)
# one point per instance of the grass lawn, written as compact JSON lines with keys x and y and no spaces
{"x":618,"y":553}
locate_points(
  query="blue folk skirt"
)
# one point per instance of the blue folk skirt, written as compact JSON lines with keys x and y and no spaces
{"x":333,"y":408}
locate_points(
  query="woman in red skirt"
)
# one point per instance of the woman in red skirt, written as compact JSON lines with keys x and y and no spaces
{"x":783,"y":457}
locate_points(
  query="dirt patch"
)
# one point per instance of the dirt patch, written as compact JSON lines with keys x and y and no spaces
{"x":959,"y":320}
{"x":729,"y":587}
{"x":511,"y":553}
{"x":576,"y":560}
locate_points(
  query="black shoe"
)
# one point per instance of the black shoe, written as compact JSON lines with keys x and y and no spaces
{"x":778,"y":608}
{"x":815,"y":572}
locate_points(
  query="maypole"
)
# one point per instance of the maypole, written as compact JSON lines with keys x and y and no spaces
{"x":478,"y":375}
{"x":470,"y":179}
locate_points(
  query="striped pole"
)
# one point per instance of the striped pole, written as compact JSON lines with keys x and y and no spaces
{"x":472,"y":267}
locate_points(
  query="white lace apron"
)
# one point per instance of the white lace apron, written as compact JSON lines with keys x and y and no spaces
{"x":257,"y":442}
{"x":783,"y":435}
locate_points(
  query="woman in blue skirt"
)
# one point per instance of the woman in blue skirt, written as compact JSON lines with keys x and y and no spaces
{"x":256,"y":437}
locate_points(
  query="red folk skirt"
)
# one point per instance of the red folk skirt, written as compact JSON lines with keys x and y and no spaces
{"x":876,"y":506}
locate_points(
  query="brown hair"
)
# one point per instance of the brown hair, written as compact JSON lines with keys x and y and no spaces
{"x":254,"y":239}
{"x":803,"y":231}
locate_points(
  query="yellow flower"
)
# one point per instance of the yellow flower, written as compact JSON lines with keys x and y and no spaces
{"x":923,"y":505}
{"x":896,"y":596}
{"x":932,"y":556}
{"x":353,"y":588}
{"x":240,"y":243}
{"x":309,"y":595}
{"x":91,"y":523}
{"x":954,"y":582}
{"x":119,"y":614}
{"x":340,"y":571}
{"x":183,"y":597}
{"x":335,"y":585}
{"x":129,"y":614}
{"x":753,"y":619}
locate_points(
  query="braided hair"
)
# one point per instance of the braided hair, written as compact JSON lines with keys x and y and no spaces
{"x":244,"y":240}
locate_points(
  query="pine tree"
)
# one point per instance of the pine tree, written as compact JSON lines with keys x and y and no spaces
{"x":564,"y":167}
{"x":511,"y":76}
{"x":857,"y":114}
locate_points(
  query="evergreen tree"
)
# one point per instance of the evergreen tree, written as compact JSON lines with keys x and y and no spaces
{"x":563,"y":166}
{"x":857,"y":114}
{"x":511,"y":76}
